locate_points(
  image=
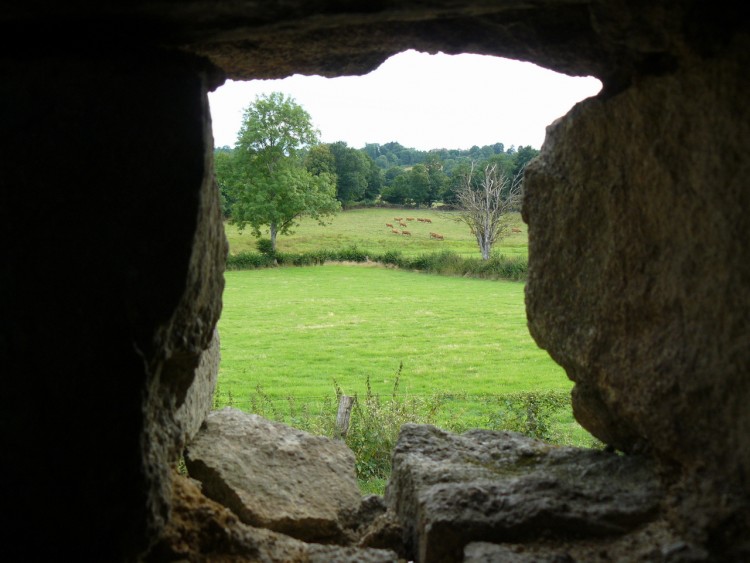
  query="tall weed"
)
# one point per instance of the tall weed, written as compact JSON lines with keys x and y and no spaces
{"x":376,"y":422}
{"x":377,"y":419}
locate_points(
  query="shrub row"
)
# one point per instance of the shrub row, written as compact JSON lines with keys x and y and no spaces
{"x":444,"y":262}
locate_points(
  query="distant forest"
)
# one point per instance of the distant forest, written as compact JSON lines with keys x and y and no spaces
{"x":390,"y":172}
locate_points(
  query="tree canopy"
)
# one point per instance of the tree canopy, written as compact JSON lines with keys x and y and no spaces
{"x":269,"y":183}
{"x":390,"y":172}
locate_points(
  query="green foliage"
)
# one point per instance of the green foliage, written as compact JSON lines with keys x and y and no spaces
{"x":392,"y":258}
{"x":374,"y":181}
{"x":270,"y":185}
{"x":398,"y":191}
{"x":437,"y":180}
{"x":265,"y":246}
{"x":376,"y":422}
{"x":469,"y":361}
{"x":226,"y":178}
{"x":249,"y":261}
{"x":352,"y":171}
{"x":530,"y":413}
{"x":521,"y":158}
{"x":369,"y":174}
{"x":275,"y":128}
{"x":444,"y":262}
{"x":320,"y":160}
{"x":345,"y":322}
{"x":394,"y":154}
{"x":377,"y":419}
{"x":352,"y":254}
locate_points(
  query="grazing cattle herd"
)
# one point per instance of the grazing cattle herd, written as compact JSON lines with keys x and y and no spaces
{"x":436,"y":236}
{"x":402,"y":224}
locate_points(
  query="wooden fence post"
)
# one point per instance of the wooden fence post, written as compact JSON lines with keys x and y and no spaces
{"x":342,"y":417}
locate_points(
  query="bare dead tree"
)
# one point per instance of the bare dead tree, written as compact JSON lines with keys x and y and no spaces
{"x":484,"y":207}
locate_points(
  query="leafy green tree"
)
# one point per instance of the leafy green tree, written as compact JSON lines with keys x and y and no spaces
{"x":373,"y":150}
{"x":225,"y":174}
{"x":320,"y":160}
{"x":391,"y":174}
{"x":456,"y":180}
{"x":273,"y":188}
{"x":437,"y":179}
{"x":503,"y":162}
{"x":419,"y":184}
{"x":374,"y":181}
{"x":522,"y":157}
{"x":352,"y":170}
{"x":398,"y":188}
{"x":382,"y":161}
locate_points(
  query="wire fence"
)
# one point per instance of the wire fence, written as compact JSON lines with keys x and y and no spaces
{"x":223,"y":398}
{"x":547,"y":415}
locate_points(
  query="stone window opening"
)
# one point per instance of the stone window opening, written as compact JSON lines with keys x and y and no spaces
{"x":112,"y":274}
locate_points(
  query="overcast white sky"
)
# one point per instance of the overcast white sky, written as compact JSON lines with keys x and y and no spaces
{"x":421,"y":101}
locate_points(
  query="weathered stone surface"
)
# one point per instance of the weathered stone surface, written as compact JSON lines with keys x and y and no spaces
{"x":449,"y":490}
{"x":370,"y":508}
{"x":655,"y":541}
{"x":202,"y":530}
{"x":274,"y":476}
{"x":638,"y":235}
{"x":199,"y":397}
{"x":652,"y":320}
{"x":483,"y":552}
{"x":321,"y":37}
{"x":385,"y":532}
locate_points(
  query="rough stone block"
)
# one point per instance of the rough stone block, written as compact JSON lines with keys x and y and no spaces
{"x":274,"y":476}
{"x":199,"y":397}
{"x":449,"y":490}
{"x":203,"y":530}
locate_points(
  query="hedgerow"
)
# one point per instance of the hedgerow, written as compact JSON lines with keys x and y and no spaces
{"x":444,"y":263}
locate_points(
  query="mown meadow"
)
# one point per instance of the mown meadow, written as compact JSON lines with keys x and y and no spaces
{"x":413,"y":347}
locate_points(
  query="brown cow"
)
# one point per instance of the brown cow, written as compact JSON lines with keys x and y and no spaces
{"x":420,"y":219}
{"x":398,"y":218}
{"x":427,"y":220}
{"x":403,"y":225}
{"x":515,"y":230}
{"x":436,"y":236}
{"x":394,"y":231}
{"x":410,"y":218}
{"x":406,"y":233}
{"x":389,"y":225}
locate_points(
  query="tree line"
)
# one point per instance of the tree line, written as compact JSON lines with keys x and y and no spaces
{"x":396,"y":175}
{"x":278,"y":171}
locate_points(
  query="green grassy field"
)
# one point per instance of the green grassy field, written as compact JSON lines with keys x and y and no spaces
{"x":293,"y":332}
{"x":290,"y":335}
{"x":366,"y":228}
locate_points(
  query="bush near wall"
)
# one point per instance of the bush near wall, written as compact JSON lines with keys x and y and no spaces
{"x":444,"y":263}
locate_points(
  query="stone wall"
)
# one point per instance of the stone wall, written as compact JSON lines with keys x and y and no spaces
{"x":110,"y":278}
{"x":111,"y":287}
{"x":639,"y":269}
